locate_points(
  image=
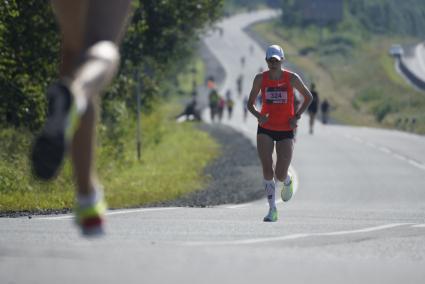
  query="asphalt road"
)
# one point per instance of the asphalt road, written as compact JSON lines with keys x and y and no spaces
{"x":411,"y":65}
{"x":415,"y":60}
{"x":358,"y":216}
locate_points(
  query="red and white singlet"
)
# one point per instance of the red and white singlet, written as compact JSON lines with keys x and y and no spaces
{"x":278,"y":101}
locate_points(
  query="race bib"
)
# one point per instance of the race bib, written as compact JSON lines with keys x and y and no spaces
{"x":276,"y":95}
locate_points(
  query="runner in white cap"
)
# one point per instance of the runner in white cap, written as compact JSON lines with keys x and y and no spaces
{"x":277,"y":121}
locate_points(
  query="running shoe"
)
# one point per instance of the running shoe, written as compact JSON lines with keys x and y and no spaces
{"x":271,"y":216}
{"x":52,"y":143}
{"x":91,"y":218}
{"x":287,"y":190}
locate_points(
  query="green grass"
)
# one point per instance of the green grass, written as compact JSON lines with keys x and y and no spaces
{"x":173,"y":160}
{"x":354,"y":72}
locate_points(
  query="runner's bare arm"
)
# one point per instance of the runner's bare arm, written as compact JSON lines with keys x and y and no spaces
{"x":298,"y":84}
{"x":256,"y":88}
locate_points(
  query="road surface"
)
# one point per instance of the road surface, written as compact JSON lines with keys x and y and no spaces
{"x":358,"y":216}
{"x":412,"y":65}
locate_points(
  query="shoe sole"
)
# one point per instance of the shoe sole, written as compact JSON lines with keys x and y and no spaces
{"x":50,"y":146}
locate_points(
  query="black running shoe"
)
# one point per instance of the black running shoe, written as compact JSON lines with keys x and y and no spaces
{"x":52,"y":143}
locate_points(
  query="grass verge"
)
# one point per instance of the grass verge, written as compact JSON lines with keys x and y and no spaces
{"x":172,"y":163}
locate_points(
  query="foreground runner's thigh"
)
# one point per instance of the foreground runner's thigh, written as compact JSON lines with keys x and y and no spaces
{"x":106,"y":20}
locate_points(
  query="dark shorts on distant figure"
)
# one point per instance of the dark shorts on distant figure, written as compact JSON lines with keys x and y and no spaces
{"x":276,"y":135}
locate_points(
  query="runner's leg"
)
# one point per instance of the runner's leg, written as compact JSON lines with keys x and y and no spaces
{"x":284,"y":149}
{"x":265,"y":147}
{"x":96,"y":20}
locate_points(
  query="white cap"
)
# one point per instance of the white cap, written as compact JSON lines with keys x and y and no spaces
{"x":275,"y":51}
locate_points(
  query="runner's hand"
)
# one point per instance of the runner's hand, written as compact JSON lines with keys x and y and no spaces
{"x":263,"y":119}
{"x":293,"y":122}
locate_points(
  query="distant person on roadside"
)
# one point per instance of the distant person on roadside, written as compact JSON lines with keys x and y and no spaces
{"x":277,"y":121}
{"x":190,"y":111}
{"x":220,"y":108}
{"x":213,"y":104}
{"x":228,"y":94}
{"x":91,"y":32}
{"x":211,"y":83}
{"x":239,"y":82}
{"x":243,"y":61}
{"x":230,"y":103}
{"x":324,"y":108}
{"x":245,"y":108}
{"x":313,"y":107}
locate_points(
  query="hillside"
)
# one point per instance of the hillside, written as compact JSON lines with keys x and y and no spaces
{"x":390,"y":17}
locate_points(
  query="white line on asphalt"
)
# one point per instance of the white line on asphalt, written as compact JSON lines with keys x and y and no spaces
{"x":299,"y":236}
{"x":416,"y":164}
{"x":239,"y":205}
{"x":112,"y":212}
{"x":388,"y":151}
{"x":419,"y":226}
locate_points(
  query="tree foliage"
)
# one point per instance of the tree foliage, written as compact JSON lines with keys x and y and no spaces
{"x":28,"y":60}
{"x":390,"y":16}
{"x":376,"y":16}
{"x":159,"y":35}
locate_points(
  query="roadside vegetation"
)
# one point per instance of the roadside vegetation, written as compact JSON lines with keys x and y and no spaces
{"x":158,"y":55}
{"x":172,"y":163}
{"x":350,"y":64}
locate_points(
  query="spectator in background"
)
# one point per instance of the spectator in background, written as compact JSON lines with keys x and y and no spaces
{"x":324,"y":108}
{"x":245,"y":108}
{"x":230,"y":103}
{"x":213,"y":104}
{"x":239,"y":82}
{"x":220,"y":107}
{"x":313,"y":107}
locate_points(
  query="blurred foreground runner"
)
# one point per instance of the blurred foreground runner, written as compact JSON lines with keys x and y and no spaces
{"x":91,"y":31}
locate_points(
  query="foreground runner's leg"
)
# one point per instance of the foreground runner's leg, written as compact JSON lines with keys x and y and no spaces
{"x":90,"y":32}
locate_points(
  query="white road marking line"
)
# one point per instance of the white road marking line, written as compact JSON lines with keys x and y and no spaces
{"x":299,"y":236}
{"x":400,"y":157}
{"x":385,"y":150}
{"x":416,"y":164}
{"x":419,"y":226}
{"x":388,"y":151}
{"x":239,"y":205}
{"x":111,"y":212}
{"x":370,"y":144}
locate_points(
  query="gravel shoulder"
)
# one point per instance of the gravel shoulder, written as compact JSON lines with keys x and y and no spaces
{"x":234,"y":177}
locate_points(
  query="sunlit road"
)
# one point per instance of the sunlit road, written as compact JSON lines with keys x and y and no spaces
{"x":358,"y":216}
{"x":415,"y":61}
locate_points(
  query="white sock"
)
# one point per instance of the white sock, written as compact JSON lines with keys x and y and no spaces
{"x":87,"y":200}
{"x":287,"y":180}
{"x":269,"y":187}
